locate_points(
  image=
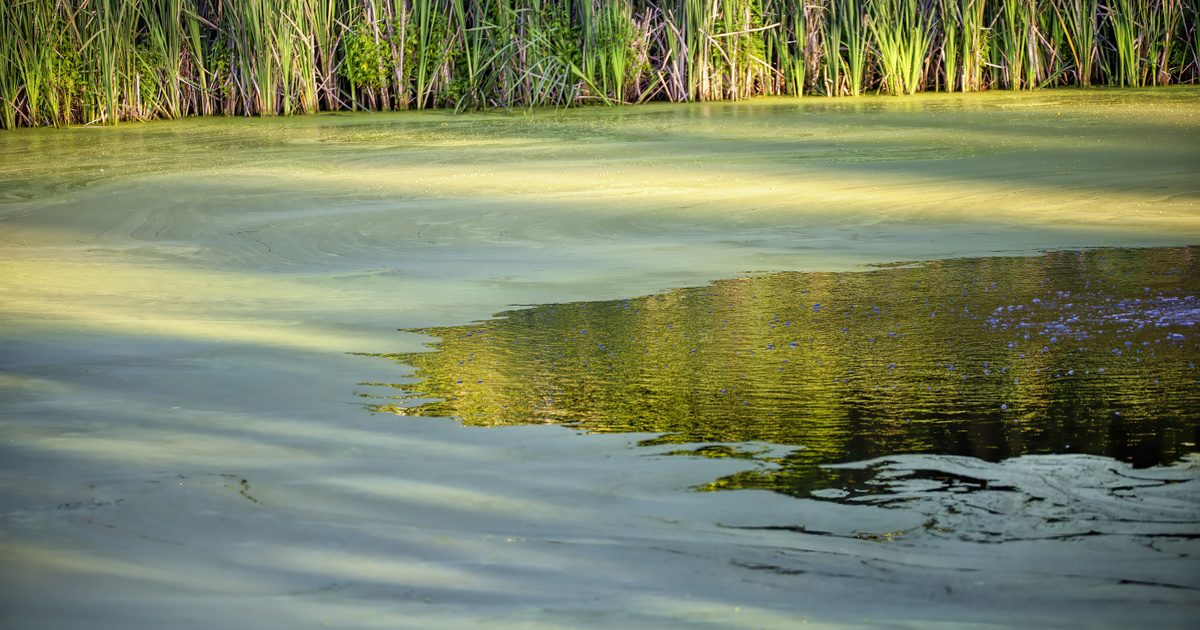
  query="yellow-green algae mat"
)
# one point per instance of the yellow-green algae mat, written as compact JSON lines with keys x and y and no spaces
{"x":183,"y":443}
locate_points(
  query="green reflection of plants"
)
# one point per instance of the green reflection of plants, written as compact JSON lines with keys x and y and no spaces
{"x":1090,"y":352}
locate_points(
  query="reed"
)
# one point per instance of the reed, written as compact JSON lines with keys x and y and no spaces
{"x":607,"y":49}
{"x":791,"y":46}
{"x":550,"y":63}
{"x":164,"y":52}
{"x":24,"y":57}
{"x":10,"y":83}
{"x":672,"y":46}
{"x":1161,"y":41}
{"x":950,"y":36}
{"x":103,"y":61}
{"x":855,"y":35}
{"x":831,"y":43}
{"x":847,"y":46}
{"x":473,"y":30}
{"x":976,"y":48}
{"x":115,"y":48}
{"x":902,"y":39}
{"x":1144,"y":34}
{"x":699,"y":25}
{"x":1015,"y":36}
{"x":1078,"y":22}
{"x":1191,"y":36}
{"x":196,"y":74}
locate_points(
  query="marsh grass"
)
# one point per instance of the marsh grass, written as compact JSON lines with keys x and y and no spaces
{"x":794,"y":45}
{"x":68,"y":62}
{"x":902,"y":37}
{"x":1017,"y":45}
{"x":854,"y":21}
{"x":1079,"y":24}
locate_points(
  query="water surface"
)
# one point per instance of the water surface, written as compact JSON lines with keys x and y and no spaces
{"x":177,"y":301}
{"x":1069,"y":352}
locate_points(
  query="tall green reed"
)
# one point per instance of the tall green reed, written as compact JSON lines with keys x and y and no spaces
{"x":791,"y":46}
{"x":976,"y":46}
{"x":847,"y":46}
{"x":1017,"y":42}
{"x":1144,"y":34}
{"x":10,"y":84}
{"x":1078,"y":20}
{"x":856,"y":37}
{"x":902,"y":39}
{"x":164,"y":44}
{"x":950,"y":27}
{"x":104,"y":61}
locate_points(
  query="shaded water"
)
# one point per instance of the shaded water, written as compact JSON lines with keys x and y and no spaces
{"x":1069,"y":352}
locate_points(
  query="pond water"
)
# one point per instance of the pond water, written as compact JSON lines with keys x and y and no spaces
{"x":325,"y":233}
{"x":184,"y":307}
{"x":1069,"y":352}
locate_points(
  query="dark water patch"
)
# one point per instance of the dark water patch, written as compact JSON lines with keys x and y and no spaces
{"x":1070,"y":352}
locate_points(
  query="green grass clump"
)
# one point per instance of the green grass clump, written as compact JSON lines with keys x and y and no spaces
{"x":902,"y":38}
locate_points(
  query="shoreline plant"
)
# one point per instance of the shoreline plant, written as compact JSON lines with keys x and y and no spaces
{"x":66,"y":62}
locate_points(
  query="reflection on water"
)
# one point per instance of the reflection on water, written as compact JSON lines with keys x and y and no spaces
{"x":1091,"y":352}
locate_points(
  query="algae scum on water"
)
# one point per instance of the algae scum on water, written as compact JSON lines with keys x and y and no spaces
{"x":1070,"y":352}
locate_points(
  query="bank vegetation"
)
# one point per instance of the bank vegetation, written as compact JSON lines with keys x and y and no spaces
{"x":102,"y":61}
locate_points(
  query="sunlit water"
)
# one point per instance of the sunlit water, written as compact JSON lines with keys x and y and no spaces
{"x":324,"y":234}
{"x":179,"y":302}
{"x":1071,"y":352}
